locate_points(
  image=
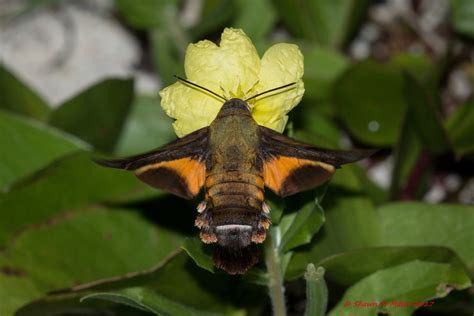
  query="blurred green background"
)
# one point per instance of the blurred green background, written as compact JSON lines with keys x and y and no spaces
{"x":80,"y":79}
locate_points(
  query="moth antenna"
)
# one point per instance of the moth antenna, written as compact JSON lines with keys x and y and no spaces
{"x":200,"y":87}
{"x":271,"y":90}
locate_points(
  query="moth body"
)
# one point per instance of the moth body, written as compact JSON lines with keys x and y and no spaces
{"x":233,"y":160}
{"x":234,"y":187}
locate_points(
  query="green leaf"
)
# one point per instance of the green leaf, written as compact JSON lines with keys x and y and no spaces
{"x":370,"y":102}
{"x":97,"y":114}
{"x":462,"y":17}
{"x":79,"y":247}
{"x":322,"y":66}
{"x":319,"y":129}
{"x":167,"y":53}
{"x":23,"y":147}
{"x":256,"y":18}
{"x":215,"y":15}
{"x":144,"y":14}
{"x":460,"y":129}
{"x":326,"y":22}
{"x":349,"y":267}
{"x":299,"y":227}
{"x":19,"y":98}
{"x":351,"y":222}
{"x":420,"y":66}
{"x":425,"y":119}
{"x":412,"y":282}
{"x":418,"y":224}
{"x":67,"y":184}
{"x":148,"y":300}
{"x":147,"y":127}
{"x":71,"y":305}
{"x":15,"y":292}
{"x":178,"y":283}
{"x":316,"y":291}
{"x":407,"y":153}
{"x":198,"y":251}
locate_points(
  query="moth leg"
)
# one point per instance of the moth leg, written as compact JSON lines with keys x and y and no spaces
{"x":207,"y":235}
{"x":203,"y":217}
{"x":203,"y":222}
{"x":202,"y":206}
{"x":264,"y":222}
{"x":265,"y":207}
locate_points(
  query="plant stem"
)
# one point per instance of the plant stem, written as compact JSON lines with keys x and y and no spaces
{"x":316,"y":291}
{"x":275,"y":278}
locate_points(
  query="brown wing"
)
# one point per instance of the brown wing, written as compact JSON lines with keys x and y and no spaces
{"x":178,"y":167}
{"x":290,"y":167}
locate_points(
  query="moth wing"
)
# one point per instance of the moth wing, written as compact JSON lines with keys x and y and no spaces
{"x":178,"y":167}
{"x":290,"y":166}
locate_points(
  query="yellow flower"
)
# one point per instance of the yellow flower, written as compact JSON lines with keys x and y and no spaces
{"x":234,"y":69}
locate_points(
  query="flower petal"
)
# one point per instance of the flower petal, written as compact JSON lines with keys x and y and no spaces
{"x":281,"y":64}
{"x":192,"y":108}
{"x":232,"y":64}
{"x":278,"y":125}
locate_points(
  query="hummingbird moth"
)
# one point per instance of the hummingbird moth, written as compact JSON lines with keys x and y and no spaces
{"x":233,"y":160}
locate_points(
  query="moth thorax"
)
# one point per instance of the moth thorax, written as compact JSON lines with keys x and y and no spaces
{"x":234,"y":235}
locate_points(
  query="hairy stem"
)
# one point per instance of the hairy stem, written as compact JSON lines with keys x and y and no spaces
{"x":316,"y":291}
{"x":276,"y":289}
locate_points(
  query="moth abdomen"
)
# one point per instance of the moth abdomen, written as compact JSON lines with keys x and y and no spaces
{"x":234,"y":219}
{"x":236,"y":260}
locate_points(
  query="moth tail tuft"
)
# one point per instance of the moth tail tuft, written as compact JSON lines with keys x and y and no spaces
{"x":236,"y":260}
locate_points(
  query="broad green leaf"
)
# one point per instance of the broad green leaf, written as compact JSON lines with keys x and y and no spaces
{"x":326,"y":22}
{"x":412,"y":282}
{"x":462,"y":17}
{"x":201,"y":254}
{"x":371,"y":103}
{"x":322,"y":66}
{"x":298,"y":227}
{"x":177,"y":283}
{"x":377,"y":194}
{"x":79,"y":247}
{"x":425,"y":119}
{"x":198,"y":251}
{"x":144,"y":14}
{"x":256,"y":18}
{"x":71,"y":305}
{"x":97,"y":114}
{"x":418,"y":224}
{"x":167,"y":54}
{"x":17,"y":97}
{"x":28,"y":145}
{"x":16,"y":291}
{"x":168,"y":46}
{"x":420,"y":66}
{"x":319,"y":129}
{"x":349,"y":267}
{"x":148,"y":300}
{"x":215,"y":15}
{"x":147,"y":127}
{"x":317,"y":138}
{"x":407,"y":153}
{"x":460,"y":129}
{"x":351,"y":222}
{"x":72,"y":182}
